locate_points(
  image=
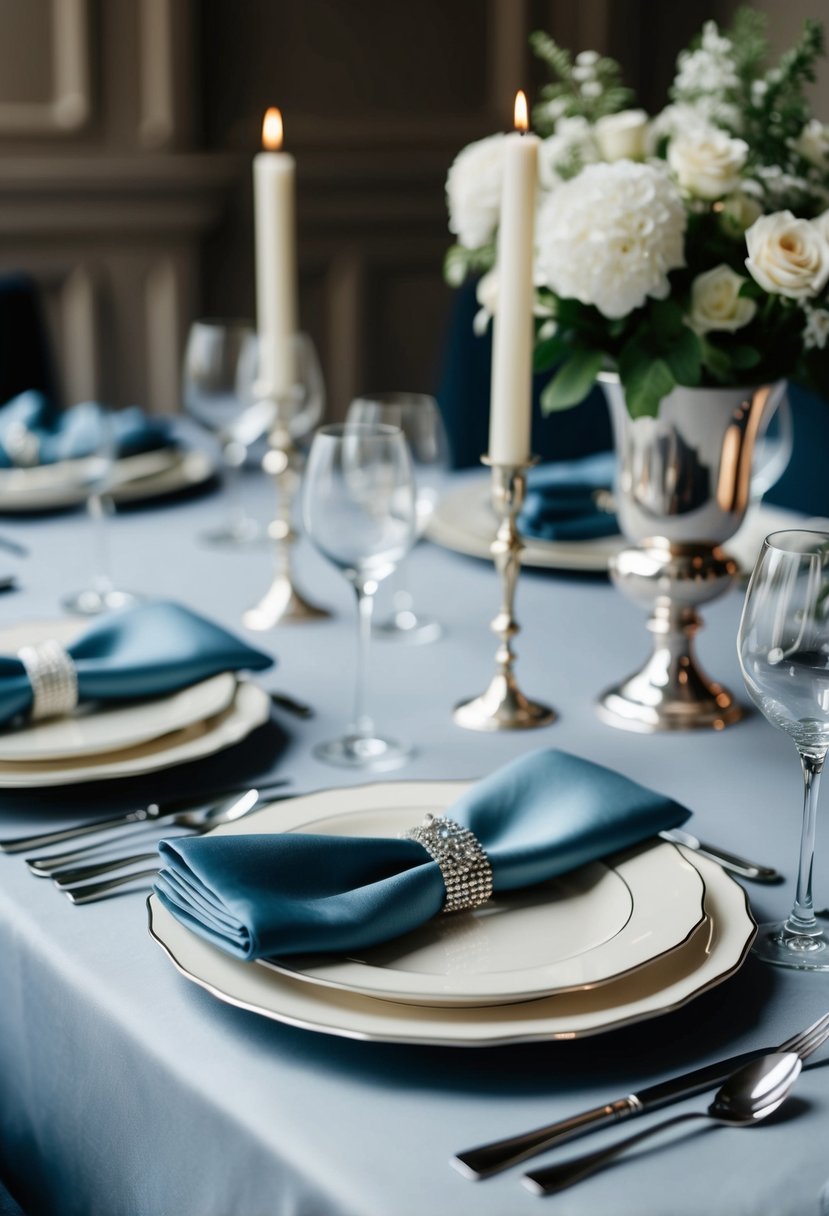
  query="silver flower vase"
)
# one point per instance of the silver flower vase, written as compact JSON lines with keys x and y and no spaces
{"x":682,"y":489}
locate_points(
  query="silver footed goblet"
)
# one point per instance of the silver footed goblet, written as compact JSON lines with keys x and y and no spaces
{"x":783,"y":647}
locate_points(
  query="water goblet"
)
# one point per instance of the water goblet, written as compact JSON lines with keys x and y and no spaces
{"x":213,"y":365}
{"x":96,"y":471}
{"x":419,"y":417}
{"x":783,"y":648}
{"x":358,"y":506}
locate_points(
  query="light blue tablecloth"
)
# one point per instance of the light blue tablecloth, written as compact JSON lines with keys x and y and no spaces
{"x":127,"y":1091}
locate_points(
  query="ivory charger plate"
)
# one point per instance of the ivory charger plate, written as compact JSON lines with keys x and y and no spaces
{"x":464,"y":522}
{"x":65,"y":484}
{"x":131,"y":739}
{"x":713,"y":951}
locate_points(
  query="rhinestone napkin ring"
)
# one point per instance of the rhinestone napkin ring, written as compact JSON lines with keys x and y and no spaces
{"x":463,"y":863}
{"x":53,"y":678}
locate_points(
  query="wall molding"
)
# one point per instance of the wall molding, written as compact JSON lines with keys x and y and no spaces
{"x":69,"y":108}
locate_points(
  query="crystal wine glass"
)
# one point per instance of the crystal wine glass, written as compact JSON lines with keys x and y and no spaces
{"x":358,"y":505}
{"x":211,"y":395}
{"x":97,"y":469}
{"x":783,"y":647}
{"x":419,"y":418}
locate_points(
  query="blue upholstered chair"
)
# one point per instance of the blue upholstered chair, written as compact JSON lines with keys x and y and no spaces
{"x":25,"y":352}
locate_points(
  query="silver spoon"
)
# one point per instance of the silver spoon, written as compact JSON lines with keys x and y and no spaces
{"x":749,"y":1095}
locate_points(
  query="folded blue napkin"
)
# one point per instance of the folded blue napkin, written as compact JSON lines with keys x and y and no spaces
{"x":28,"y":421}
{"x":563,"y":500}
{"x":144,"y":651}
{"x":261,"y":896}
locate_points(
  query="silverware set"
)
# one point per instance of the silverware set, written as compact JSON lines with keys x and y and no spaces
{"x":72,"y":871}
{"x":753,"y":1085}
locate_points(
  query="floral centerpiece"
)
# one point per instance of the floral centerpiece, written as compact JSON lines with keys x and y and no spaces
{"x":690,"y":248}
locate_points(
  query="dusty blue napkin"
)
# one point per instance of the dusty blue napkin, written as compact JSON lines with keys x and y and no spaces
{"x":75,"y":432}
{"x":563,"y":500}
{"x":260,"y":896}
{"x":144,"y":651}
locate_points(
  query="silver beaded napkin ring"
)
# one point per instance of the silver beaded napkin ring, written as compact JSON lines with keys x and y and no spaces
{"x":466,"y":869}
{"x":53,"y":678}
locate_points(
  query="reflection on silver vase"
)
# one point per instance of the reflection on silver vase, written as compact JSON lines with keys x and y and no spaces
{"x":682,"y":489}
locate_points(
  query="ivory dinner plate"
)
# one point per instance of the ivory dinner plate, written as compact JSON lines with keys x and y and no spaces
{"x":714,"y":951}
{"x":65,"y":483}
{"x":248,"y":708}
{"x":92,"y":731}
{"x":464,"y":522}
{"x":584,"y":928}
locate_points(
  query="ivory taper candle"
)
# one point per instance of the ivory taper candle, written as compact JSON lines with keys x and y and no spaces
{"x":274,"y":173}
{"x":510,"y":415}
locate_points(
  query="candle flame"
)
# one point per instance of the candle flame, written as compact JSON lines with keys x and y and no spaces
{"x":272,"y":130}
{"x":522,"y":122}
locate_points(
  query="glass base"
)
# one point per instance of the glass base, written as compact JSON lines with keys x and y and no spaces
{"x":364,"y":752}
{"x":777,"y":944}
{"x":93,"y":602}
{"x":406,"y":626}
{"x":236,"y":534}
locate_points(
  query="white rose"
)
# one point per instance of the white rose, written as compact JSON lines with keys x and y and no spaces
{"x":813,"y":143}
{"x":623,"y":135}
{"x":610,"y":236}
{"x":707,"y":163}
{"x":473,"y":191}
{"x":716,"y":302}
{"x":788,"y":256}
{"x":821,"y":222}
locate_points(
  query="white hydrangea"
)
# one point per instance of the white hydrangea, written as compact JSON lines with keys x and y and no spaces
{"x":473,"y":191}
{"x":610,"y":236}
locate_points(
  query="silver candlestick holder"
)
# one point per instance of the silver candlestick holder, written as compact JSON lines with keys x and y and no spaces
{"x":282,"y":602}
{"x":503,"y":706}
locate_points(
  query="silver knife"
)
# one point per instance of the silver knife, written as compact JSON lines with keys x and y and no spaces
{"x":490,"y":1158}
{"x":740,"y":866}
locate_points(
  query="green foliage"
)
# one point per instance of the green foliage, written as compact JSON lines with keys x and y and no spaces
{"x":578,"y":89}
{"x":459,"y":263}
{"x":573,"y":381}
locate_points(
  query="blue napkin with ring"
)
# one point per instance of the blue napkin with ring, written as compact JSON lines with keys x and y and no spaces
{"x":145,"y":651}
{"x":31,"y":433}
{"x":567,"y":500}
{"x":262,"y":896}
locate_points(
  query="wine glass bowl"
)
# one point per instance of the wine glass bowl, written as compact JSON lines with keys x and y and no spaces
{"x":358,"y":506}
{"x":212,"y":370}
{"x":419,"y":418}
{"x":783,"y":648}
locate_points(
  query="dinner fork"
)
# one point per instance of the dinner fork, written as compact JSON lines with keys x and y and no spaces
{"x":70,"y":876}
{"x":488,"y":1159}
{"x":154,"y":812}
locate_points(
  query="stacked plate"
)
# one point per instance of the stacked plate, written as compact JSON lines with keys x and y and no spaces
{"x":612,"y":943}
{"x":127,"y":739}
{"x":464,"y":522}
{"x":52,"y":487}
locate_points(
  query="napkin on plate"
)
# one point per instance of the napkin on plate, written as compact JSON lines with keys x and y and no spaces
{"x":564,"y":500}
{"x":144,"y":651}
{"x":30,"y":432}
{"x":261,"y":896}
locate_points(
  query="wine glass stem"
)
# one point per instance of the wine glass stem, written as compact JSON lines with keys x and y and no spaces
{"x":233,"y":484}
{"x":802,"y":918}
{"x":363,"y":725}
{"x":98,"y":508}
